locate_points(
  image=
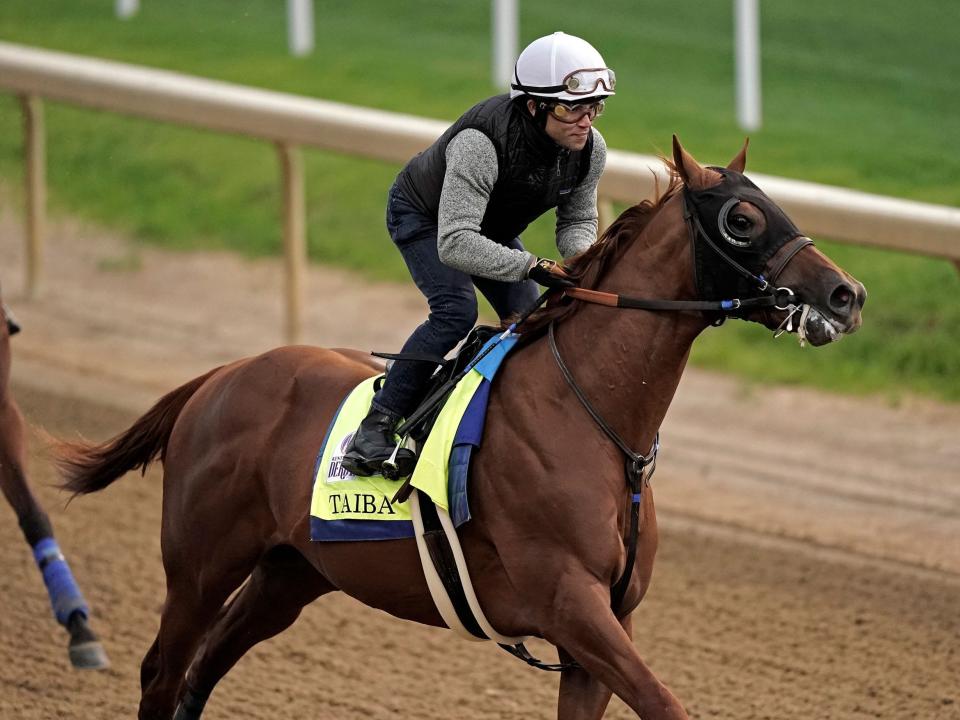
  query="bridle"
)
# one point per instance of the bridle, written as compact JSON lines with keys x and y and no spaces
{"x":770,"y":296}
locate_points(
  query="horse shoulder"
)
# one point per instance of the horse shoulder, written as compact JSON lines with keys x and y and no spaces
{"x":543,"y":473}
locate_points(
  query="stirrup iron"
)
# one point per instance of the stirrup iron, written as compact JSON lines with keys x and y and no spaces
{"x":390,"y":469}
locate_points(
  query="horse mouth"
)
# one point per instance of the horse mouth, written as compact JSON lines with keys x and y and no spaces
{"x":810,"y":325}
{"x":819,"y":329}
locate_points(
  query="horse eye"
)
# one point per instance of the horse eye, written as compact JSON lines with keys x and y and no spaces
{"x":741,"y":224}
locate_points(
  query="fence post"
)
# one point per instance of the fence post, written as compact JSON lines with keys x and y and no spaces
{"x":747,"y":60}
{"x":300,"y":27}
{"x":126,"y":9}
{"x":605,"y":215}
{"x":35,"y":186}
{"x":294,"y":238}
{"x":503,"y":26}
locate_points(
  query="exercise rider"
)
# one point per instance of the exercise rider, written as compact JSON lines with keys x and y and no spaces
{"x":457,"y":209}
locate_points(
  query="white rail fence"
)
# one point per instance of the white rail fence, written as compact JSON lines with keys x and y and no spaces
{"x":291,"y":122}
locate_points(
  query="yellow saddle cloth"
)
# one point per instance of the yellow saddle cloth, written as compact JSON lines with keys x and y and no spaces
{"x":347,"y":507}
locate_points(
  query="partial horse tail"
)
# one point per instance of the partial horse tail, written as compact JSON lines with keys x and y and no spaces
{"x":89,"y":468}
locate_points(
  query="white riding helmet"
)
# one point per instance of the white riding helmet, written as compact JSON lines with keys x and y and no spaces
{"x":562,"y":67}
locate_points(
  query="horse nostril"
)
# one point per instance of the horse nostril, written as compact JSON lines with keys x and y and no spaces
{"x":841,"y":299}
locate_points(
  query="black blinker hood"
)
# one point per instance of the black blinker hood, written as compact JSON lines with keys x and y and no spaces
{"x":715,"y":278}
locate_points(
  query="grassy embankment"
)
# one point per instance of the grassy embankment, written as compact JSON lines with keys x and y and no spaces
{"x":860,"y":94}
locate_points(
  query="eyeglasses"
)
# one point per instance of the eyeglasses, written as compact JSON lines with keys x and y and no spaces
{"x":574,"y":113}
{"x":586,"y":81}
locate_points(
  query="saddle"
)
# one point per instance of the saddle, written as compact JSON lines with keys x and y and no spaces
{"x":450,"y":426}
{"x":446,"y":370}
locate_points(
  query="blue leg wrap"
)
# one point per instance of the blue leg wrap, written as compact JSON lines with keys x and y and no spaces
{"x":65,"y":596}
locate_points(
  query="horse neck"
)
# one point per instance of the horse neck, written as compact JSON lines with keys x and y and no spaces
{"x":629,"y":362}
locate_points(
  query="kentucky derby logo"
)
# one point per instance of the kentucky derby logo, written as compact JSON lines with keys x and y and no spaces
{"x":336,"y":472}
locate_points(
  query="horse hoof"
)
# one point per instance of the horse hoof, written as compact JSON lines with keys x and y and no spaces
{"x":88,"y":656}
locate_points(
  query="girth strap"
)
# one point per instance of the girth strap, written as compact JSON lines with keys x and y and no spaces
{"x":520,"y":651}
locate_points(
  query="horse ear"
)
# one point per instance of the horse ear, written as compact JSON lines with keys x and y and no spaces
{"x":740,"y":161}
{"x":693,"y":174}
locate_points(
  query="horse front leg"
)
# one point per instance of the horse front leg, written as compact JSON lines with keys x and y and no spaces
{"x":582,"y":696}
{"x":66,"y":600}
{"x":590,"y":633}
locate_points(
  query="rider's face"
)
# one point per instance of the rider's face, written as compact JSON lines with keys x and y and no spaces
{"x":572,"y":136}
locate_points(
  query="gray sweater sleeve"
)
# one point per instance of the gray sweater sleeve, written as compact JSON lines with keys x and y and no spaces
{"x":471,"y":173}
{"x":577,"y":215}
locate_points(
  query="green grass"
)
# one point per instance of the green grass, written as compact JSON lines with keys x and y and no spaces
{"x":860,"y":94}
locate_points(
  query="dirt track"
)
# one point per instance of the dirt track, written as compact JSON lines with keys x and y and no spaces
{"x":810,"y":577}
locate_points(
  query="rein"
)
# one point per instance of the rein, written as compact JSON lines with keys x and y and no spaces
{"x":779,"y":298}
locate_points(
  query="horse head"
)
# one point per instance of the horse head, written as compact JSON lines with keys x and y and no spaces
{"x":744,"y":244}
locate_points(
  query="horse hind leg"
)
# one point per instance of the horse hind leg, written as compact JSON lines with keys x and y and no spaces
{"x":281,"y":585}
{"x":196,"y":592}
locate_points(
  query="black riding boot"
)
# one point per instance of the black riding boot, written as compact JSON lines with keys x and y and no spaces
{"x":373,"y":443}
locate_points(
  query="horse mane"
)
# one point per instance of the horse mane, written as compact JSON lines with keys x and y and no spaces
{"x":588,"y":267}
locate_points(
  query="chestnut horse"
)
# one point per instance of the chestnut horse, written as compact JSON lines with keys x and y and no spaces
{"x":69,"y":607}
{"x":550,"y":503}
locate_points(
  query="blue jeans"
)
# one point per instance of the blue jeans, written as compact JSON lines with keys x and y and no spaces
{"x":450,"y":296}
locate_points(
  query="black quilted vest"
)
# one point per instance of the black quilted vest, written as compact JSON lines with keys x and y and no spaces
{"x":534,"y":173}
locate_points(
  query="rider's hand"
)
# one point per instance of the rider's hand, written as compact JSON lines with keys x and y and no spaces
{"x":550,"y":274}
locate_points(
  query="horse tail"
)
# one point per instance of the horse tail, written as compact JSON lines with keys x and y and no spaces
{"x":88,"y":468}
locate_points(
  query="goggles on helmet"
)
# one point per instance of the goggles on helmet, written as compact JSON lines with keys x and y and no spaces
{"x":574,"y":113}
{"x":585,"y":81}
